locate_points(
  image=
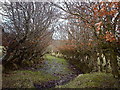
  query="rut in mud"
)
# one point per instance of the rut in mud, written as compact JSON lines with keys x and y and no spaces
{"x":57,"y":67}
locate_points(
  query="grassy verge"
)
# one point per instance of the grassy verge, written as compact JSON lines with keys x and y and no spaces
{"x":93,"y":80}
{"x":25,"y":79}
{"x":59,"y":60}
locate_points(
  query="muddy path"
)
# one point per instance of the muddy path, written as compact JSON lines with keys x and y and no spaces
{"x":57,"y":67}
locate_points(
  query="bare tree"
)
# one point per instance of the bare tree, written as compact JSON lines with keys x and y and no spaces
{"x":27,"y":30}
{"x":98,"y":22}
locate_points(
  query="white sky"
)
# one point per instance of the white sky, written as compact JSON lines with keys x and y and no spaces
{"x":59,"y":0}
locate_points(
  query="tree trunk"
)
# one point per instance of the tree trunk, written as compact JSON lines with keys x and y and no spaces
{"x":101,"y":62}
{"x":114,"y":64}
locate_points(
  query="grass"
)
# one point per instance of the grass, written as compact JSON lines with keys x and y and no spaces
{"x":25,"y":79}
{"x":57,"y":65}
{"x":93,"y":80}
{"x":59,"y":60}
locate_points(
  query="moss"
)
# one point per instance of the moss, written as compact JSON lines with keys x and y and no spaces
{"x":25,"y":79}
{"x":93,"y":80}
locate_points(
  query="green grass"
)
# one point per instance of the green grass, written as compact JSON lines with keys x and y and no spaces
{"x":25,"y":79}
{"x":57,"y":65}
{"x":93,"y":80}
{"x":59,"y":60}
